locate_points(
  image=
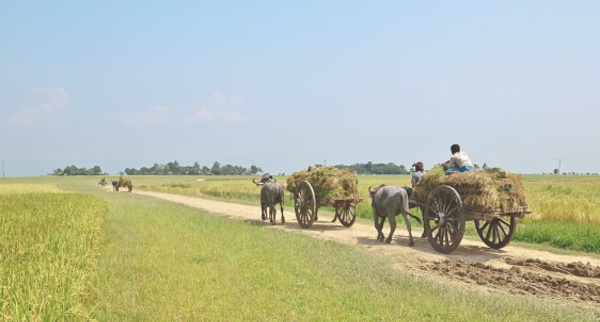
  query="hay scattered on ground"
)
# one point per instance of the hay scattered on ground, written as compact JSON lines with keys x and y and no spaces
{"x":481,"y":190}
{"x":327,"y":182}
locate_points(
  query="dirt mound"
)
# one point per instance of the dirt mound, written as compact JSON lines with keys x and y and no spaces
{"x":578,"y":269}
{"x":522,"y":281}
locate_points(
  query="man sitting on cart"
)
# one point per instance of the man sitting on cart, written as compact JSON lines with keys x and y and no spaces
{"x":459,"y":162}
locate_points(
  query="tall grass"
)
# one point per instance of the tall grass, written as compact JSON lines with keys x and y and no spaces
{"x":15,"y":188}
{"x":236,"y":188}
{"x":48,"y":253}
{"x":560,"y":200}
{"x":564,"y":235}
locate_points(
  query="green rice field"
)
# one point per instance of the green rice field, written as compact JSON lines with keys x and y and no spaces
{"x":71,"y":251}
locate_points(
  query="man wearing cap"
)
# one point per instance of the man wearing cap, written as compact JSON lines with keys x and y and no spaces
{"x":417,"y":175}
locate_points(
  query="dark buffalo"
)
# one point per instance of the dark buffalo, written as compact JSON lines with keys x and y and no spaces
{"x":271,"y":194}
{"x":388,"y":202}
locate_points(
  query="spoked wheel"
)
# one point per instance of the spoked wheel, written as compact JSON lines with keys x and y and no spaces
{"x":444,"y":219}
{"x":497,"y":232}
{"x":347,"y":214}
{"x":305,"y":205}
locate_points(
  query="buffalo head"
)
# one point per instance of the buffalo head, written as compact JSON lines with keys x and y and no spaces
{"x":263,"y":180}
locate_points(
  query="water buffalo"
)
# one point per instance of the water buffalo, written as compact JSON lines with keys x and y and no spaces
{"x":388,"y":202}
{"x":271,"y":194}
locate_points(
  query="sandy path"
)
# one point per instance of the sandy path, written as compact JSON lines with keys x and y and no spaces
{"x":511,"y":269}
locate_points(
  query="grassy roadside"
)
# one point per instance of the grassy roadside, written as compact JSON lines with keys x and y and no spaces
{"x":164,"y":262}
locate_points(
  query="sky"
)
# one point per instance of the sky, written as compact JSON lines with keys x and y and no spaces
{"x":288,"y":84}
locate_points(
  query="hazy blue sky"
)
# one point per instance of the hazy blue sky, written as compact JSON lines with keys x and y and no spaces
{"x":287,"y":84}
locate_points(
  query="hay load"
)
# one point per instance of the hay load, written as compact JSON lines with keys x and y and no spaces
{"x":327,"y":182}
{"x":481,"y":190}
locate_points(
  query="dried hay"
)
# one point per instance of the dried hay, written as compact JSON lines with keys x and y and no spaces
{"x":481,"y":190}
{"x":327,"y":182}
{"x":124,"y":181}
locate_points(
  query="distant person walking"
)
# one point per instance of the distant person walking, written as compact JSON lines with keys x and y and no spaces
{"x":459,"y":161}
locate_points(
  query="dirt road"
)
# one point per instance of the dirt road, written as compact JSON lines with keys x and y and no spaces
{"x":512,"y":269}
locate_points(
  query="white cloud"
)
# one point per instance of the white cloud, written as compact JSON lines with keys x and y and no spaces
{"x":155,"y":115}
{"x":219,"y":109}
{"x":50,"y":103}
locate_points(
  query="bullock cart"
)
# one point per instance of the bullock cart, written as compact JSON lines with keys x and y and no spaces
{"x":324,"y":187}
{"x":446,"y":211}
{"x":307,"y":204}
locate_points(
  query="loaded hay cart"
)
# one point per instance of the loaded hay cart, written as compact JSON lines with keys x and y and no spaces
{"x":492,"y":198}
{"x":324,"y":187}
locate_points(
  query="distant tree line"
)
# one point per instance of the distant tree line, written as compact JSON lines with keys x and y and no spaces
{"x":170,"y":168}
{"x":75,"y":171}
{"x":174,"y":168}
{"x":375,"y":168}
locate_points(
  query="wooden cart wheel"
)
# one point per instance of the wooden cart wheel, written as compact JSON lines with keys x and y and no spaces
{"x":496,"y":233}
{"x":444,"y":219}
{"x":347,"y":214}
{"x":305,"y":205}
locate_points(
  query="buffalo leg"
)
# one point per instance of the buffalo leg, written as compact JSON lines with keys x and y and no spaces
{"x":263,"y":214}
{"x":380,"y":235}
{"x":423,"y":215}
{"x":410,"y":238}
{"x":272,"y":214}
{"x":378,"y":224}
{"x":282,"y":217}
{"x":392,"y":229}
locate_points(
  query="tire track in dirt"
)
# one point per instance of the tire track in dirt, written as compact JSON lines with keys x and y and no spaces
{"x":513,"y":269}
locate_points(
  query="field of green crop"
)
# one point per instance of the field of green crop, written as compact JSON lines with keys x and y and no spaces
{"x":564,"y":198}
{"x":48,"y":252}
{"x":71,"y":251}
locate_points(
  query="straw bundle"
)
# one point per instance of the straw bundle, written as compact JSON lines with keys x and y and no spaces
{"x":481,"y":190}
{"x":124,"y":181}
{"x":327,"y":182}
